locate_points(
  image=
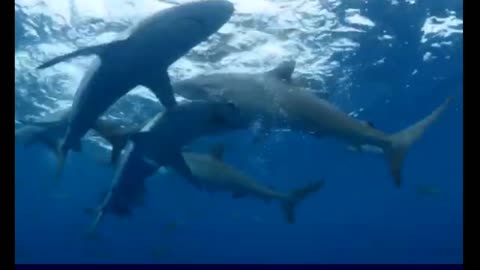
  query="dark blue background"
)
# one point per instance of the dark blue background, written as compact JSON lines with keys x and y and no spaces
{"x":359,"y":217}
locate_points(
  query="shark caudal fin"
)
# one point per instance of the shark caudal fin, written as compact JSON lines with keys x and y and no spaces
{"x":296,"y":196}
{"x":401,"y":141}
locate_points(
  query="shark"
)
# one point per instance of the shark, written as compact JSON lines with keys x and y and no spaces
{"x":159,"y":144}
{"x":272,"y":98}
{"x":141,"y":58}
{"x":216,"y":175}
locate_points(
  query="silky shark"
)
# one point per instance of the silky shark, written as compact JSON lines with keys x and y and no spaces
{"x":158,"y":144}
{"x":212,"y":174}
{"x":271,"y":97}
{"x":142,"y":58}
{"x":215,"y":175}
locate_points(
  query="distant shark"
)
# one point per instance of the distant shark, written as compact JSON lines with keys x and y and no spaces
{"x":140,"y":59}
{"x":49,"y":131}
{"x":158,"y":144}
{"x":271,"y":97}
{"x":46,"y":131}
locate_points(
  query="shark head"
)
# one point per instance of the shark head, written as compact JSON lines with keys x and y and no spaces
{"x":196,"y":88}
{"x":216,"y":116}
{"x":184,"y":26}
{"x":225,"y":113}
{"x":207,"y":15}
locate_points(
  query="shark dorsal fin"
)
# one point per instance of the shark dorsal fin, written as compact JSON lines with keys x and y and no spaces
{"x":217,"y":151}
{"x":284,"y":70}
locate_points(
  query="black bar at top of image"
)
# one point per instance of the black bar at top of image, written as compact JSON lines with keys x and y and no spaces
{"x":244,"y":266}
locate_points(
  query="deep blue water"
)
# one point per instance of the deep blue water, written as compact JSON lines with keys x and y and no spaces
{"x":359,"y":216}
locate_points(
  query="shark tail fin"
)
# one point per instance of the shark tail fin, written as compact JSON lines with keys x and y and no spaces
{"x":114,"y":136}
{"x":296,"y":196}
{"x":400,"y":142}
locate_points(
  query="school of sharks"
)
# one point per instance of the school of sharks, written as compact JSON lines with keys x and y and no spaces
{"x":215,"y":104}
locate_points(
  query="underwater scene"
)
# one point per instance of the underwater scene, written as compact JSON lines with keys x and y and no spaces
{"x":238,"y":131}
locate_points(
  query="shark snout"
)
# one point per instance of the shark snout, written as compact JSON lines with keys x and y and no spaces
{"x":212,"y":14}
{"x":223,"y":6}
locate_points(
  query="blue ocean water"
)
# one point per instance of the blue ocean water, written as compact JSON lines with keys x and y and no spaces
{"x":358,"y":217}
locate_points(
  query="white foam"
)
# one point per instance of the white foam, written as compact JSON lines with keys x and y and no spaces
{"x":353,"y":17}
{"x":385,"y":37}
{"x":436,"y":27}
{"x":428,"y":56}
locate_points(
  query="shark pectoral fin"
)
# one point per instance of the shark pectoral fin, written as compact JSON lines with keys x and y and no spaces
{"x":238,"y":194}
{"x":115,"y":154}
{"x":112,"y":134}
{"x":161,"y":87}
{"x":217,"y":151}
{"x":116,"y":136}
{"x":283,"y":71}
{"x":90,"y":50}
{"x":178,"y":163}
{"x":92,"y":232}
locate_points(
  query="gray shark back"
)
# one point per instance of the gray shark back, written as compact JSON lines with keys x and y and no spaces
{"x":258,"y":95}
{"x":186,"y":122}
{"x":140,"y":59}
